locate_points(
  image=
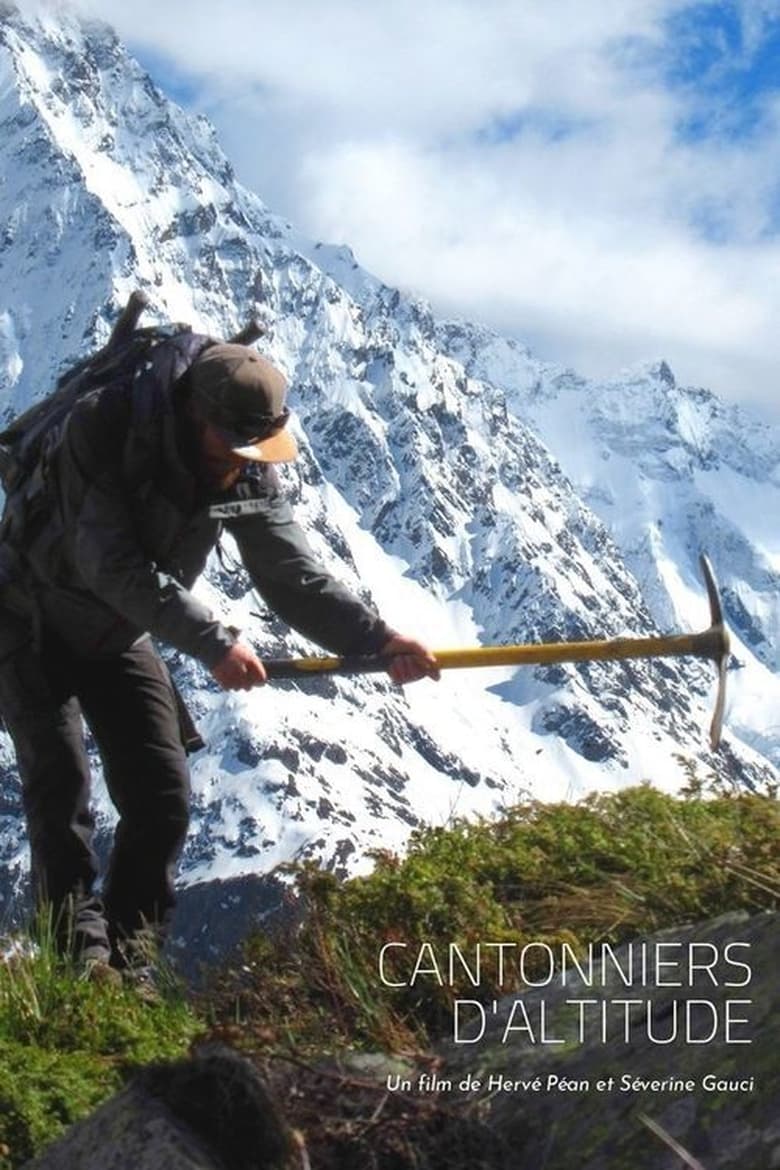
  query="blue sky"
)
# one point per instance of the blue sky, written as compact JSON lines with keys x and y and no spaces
{"x":601,"y":179}
{"x":725,"y":74}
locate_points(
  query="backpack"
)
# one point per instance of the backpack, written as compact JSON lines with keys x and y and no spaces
{"x":28,"y":443}
{"x":22,"y":443}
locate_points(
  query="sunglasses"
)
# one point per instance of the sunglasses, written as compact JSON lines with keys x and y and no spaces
{"x":248,"y":429}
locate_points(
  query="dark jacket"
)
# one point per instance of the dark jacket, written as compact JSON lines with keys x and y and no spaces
{"x":127,"y":527}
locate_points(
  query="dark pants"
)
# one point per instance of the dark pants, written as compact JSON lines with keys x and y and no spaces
{"x":129,"y":704}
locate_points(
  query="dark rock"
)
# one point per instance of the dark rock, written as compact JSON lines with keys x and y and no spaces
{"x":211,"y":1112}
{"x":213,"y":918}
{"x":580,"y":732}
{"x":720,"y":1100}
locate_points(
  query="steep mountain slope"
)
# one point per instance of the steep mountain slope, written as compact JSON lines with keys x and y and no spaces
{"x":670,"y":470}
{"x":476,"y":494}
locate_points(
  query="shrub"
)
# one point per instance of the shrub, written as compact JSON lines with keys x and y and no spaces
{"x":610,"y":868}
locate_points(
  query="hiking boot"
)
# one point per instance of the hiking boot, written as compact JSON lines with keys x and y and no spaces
{"x":137,"y":950}
{"x":144,"y":971}
{"x":94,"y":965}
{"x":143,"y":980}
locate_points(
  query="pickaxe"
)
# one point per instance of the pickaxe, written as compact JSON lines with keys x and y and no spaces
{"x":712,"y":643}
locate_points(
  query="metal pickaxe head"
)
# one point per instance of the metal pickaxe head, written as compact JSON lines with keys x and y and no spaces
{"x":716,"y":645}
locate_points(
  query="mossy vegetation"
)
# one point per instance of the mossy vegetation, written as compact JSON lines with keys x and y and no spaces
{"x":67,"y":1043}
{"x":613,"y":867}
{"x":610,"y":868}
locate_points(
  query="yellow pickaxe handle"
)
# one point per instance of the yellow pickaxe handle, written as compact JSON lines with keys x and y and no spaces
{"x":712,"y":643}
{"x":531,"y":654}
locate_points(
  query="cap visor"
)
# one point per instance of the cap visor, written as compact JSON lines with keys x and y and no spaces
{"x":279,"y":448}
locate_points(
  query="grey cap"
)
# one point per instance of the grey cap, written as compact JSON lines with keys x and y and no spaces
{"x":243,"y":395}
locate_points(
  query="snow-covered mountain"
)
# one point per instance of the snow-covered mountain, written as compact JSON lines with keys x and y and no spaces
{"x":477,"y":494}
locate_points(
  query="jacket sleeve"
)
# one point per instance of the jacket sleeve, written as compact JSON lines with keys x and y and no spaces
{"x":288,"y":576}
{"x":106,"y":551}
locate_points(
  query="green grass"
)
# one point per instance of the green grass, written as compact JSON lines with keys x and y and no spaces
{"x":66,"y":1044}
{"x":610,"y":868}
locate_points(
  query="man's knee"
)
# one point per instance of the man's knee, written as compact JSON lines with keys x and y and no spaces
{"x":173,"y":815}
{"x":157,"y":823}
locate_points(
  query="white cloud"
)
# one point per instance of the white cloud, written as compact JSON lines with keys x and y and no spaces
{"x":597,"y":292}
{"x":589,"y":228}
